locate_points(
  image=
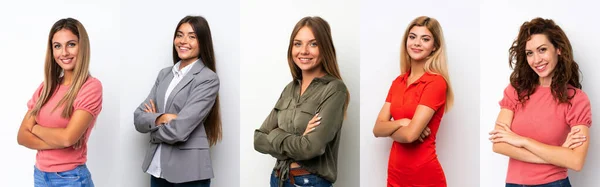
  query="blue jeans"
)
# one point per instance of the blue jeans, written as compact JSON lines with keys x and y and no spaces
{"x":559,"y":183}
{"x":78,"y":177}
{"x":160,"y":182}
{"x":301,"y":181}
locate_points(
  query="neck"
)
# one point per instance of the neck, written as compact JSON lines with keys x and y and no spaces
{"x":416,"y":68}
{"x":308,"y":76}
{"x":545,"y":81}
{"x":67,"y":78}
{"x":186,"y":62}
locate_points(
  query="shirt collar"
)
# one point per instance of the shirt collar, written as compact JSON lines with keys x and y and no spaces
{"x":325,"y":79}
{"x":425,"y":78}
{"x":183,"y":70}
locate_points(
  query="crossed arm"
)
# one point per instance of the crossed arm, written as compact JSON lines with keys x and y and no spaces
{"x":570,"y":155}
{"x":35,"y":136}
{"x":403,"y":130}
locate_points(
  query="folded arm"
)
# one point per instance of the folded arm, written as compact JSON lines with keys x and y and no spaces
{"x":28,"y":139}
{"x":65,"y":137}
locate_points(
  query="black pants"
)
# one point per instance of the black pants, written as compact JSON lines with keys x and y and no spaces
{"x":159,"y":182}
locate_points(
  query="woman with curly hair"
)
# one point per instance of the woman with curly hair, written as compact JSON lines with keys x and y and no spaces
{"x":545,"y":117}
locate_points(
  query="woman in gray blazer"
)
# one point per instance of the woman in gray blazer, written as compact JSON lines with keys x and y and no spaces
{"x":181,"y":113}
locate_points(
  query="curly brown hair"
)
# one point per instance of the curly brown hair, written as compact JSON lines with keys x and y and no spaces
{"x":566,"y":72}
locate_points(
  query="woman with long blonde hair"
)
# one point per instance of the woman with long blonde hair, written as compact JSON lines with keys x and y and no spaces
{"x":303,"y":130}
{"x":63,"y":110}
{"x":414,"y":107}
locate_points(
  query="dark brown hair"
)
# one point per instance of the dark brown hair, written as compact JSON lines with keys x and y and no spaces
{"x":524,"y":79}
{"x":212,"y":124}
{"x":322,"y":32}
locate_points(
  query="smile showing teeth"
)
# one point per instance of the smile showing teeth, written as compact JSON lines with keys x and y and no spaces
{"x":66,"y":61}
{"x":541,"y":67}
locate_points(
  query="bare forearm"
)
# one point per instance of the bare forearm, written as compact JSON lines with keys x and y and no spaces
{"x":385,"y":128}
{"x":31,"y":141}
{"x":555,"y":155}
{"x":517,"y":153}
{"x":52,"y":136}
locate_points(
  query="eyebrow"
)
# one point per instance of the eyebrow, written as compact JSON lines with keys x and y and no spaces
{"x":188,"y":32}
{"x":296,"y":40}
{"x":536,"y":47}
{"x":418,"y":35}
{"x":67,"y":42}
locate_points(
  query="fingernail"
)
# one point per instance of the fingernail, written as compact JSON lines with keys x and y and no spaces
{"x":318,"y":122}
{"x":319,"y":118}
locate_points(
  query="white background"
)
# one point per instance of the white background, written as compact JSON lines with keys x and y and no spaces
{"x":146,"y":46}
{"x":382,"y":28}
{"x":24,"y":36}
{"x":500,"y":23}
{"x":266,"y":29}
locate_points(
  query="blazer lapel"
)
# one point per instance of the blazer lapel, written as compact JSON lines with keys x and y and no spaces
{"x":162,"y":90}
{"x":198,"y":66}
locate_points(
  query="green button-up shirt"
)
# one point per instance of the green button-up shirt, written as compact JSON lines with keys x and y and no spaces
{"x":281,"y":133}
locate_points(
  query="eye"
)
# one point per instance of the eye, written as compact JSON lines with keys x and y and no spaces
{"x":528,"y":53}
{"x":426,"y":39}
{"x":542,"y":50}
{"x":71,"y":44}
{"x":411,"y":37}
{"x":56,"y":46}
{"x":313,"y":44}
{"x":192,"y":37}
{"x":178,"y":35}
{"x":297,"y":44}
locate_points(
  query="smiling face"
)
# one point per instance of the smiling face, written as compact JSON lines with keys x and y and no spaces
{"x":65,"y":47}
{"x":186,"y":43}
{"x":542,"y":56}
{"x":420,"y":43}
{"x":305,"y":50}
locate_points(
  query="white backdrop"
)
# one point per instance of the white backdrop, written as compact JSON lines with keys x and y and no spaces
{"x":146,"y":47}
{"x":24,"y":35}
{"x":500,"y":23}
{"x":265,"y":30}
{"x":382,"y":29}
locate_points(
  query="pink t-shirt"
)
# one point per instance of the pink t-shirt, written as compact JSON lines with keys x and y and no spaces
{"x":545,"y":120}
{"x":89,"y":98}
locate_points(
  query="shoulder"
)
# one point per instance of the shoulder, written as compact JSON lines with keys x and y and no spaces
{"x":92,"y":84}
{"x":578,"y":94}
{"x":207,"y":74}
{"x":337,"y":85}
{"x":434,"y":79}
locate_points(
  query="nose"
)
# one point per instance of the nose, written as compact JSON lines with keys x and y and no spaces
{"x":65,"y":51}
{"x":537,"y":58}
{"x":304,"y":50}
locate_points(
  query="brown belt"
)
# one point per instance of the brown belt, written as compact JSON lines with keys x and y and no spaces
{"x":294,"y":172}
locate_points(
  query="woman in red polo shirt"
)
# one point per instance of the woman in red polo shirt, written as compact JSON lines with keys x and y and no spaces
{"x":543,"y":105}
{"x":415,"y":105}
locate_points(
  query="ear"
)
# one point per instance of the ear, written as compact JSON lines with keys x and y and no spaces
{"x":558,"y":51}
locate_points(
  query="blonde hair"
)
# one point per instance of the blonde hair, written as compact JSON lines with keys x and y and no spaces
{"x":437,"y":61}
{"x":52,"y":70}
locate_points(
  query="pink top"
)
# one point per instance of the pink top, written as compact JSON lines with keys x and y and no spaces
{"x":88,"y":99}
{"x":548,"y":122}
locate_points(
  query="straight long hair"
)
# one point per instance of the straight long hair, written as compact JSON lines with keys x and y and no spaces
{"x":212,"y":124}
{"x":437,"y":61}
{"x":52,"y":70}
{"x":322,"y":32}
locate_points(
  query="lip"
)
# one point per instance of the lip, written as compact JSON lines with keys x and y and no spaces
{"x":305,"y":59}
{"x":416,"y":50}
{"x":541,"y":67}
{"x":66,"y":60}
{"x":183,"y":49}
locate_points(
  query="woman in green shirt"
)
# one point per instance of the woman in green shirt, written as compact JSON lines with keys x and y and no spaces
{"x":303,"y":129}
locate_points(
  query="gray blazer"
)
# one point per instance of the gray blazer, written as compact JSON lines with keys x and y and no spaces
{"x":185,"y":149}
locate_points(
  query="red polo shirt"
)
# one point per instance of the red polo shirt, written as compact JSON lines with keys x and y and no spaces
{"x":416,"y":164}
